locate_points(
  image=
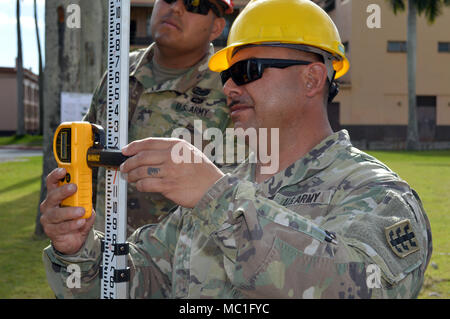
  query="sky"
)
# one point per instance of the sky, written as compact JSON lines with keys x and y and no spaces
{"x":8,"y":33}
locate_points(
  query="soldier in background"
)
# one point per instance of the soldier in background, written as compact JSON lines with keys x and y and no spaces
{"x":312,"y":229}
{"x":170,"y":87}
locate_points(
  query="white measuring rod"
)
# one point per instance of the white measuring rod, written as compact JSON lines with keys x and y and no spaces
{"x":115,"y":274}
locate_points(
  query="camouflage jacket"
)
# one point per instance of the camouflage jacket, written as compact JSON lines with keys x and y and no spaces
{"x":156,"y":110}
{"x":337,"y":223}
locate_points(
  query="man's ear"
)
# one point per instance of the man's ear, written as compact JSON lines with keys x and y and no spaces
{"x":217,"y":28}
{"x":315,"y":79}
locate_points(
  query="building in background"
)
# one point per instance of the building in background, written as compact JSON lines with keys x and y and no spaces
{"x":8,"y":100}
{"x":373,"y":100}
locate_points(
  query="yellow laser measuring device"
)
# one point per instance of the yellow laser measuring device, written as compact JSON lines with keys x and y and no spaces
{"x":78,"y":147}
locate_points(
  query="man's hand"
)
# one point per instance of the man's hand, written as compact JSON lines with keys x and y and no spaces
{"x":155,"y":167}
{"x":63,"y":224}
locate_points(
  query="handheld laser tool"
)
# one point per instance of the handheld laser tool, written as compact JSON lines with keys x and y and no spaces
{"x":78,"y":147}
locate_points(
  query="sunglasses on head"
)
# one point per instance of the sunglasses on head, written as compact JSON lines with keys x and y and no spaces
{"x":198,"y":6}
{"x":250,"y":70}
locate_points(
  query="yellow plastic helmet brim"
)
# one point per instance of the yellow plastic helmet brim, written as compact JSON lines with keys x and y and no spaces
{"x":220,"y":61}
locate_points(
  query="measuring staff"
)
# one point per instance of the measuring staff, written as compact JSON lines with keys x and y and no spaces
{"x":186,"y":48}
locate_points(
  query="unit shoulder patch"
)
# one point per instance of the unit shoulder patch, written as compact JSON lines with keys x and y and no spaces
{"x":401,"y":238}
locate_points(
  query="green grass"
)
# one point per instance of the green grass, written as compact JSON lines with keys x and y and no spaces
{"x":28,"y":140}
{"x":21,"y":254}
{"x":429,"y":174}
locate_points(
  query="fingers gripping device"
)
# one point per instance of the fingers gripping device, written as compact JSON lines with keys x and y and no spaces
{"x":78,"y":147}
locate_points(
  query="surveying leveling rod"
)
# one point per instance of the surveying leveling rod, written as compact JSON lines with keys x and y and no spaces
{"x":114,"y":271}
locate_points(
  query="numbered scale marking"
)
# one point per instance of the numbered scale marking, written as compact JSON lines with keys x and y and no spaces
{"x":115,"y":274}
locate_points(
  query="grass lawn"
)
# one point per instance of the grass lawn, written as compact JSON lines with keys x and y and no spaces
{"x":21,"y":253}
{"x":28,"y":140}
{"x":429,"y":174}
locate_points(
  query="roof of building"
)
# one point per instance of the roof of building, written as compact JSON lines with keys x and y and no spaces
{"x":149,"y":3}
{"x":27,"y":73}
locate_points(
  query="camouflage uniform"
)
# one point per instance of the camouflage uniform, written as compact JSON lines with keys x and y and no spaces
{"x":156,"y":109}
{"x":310,"y":231}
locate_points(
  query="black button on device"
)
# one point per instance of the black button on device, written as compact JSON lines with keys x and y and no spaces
{"x":68,"y":178}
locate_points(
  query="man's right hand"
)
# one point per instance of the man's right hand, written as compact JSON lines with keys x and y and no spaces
{"x":63,"y":224}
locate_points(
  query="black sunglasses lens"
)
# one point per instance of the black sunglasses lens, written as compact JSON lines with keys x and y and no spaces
{"x":241,"y":72}
{"x":250,"y":70}
{"x":197,"y":6}
{"x":225,"y":75}
{"x":244,"y":72}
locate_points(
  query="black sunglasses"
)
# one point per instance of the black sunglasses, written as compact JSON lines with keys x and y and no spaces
{"x":250,"y":70}
{"x":198,"y":6}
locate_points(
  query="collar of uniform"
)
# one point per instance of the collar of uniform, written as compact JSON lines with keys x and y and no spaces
{"x":318,"y":159}
{"x":144,"y":74}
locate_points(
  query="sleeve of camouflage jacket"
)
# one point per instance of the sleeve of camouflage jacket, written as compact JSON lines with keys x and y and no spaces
{"x":149,"y":261}
{"x":273,"y":252}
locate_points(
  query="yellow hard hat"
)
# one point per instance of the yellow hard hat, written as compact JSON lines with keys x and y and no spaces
{"x":283,"y":21}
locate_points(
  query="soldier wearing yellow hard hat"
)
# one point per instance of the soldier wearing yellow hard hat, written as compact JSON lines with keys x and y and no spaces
{"x":301,"y":25}
{"x":329,"y":221}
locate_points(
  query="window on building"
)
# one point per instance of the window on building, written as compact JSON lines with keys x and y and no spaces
{"x":329,"y":5}
{"x":347,"y":47}
{"x":133,"y":28}
{"x":444,"y":47}
{"x":426,"y":115}
{"x":396,"y":46}
{"x":333,"y":111}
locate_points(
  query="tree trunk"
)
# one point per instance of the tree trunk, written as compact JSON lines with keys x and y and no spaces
{"x":20,"y":130}
{"x":412,"y":139}
{"x":74,"y":63}
{"x":41,"y":75}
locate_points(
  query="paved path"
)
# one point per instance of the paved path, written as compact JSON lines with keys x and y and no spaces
{"x":15,"y":154}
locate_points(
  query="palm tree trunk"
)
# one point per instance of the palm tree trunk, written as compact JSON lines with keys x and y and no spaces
{"x":412,"y":139}
{"x":41,"y":75}
{"x":73,"y":63}
{"x":20,"y":130}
